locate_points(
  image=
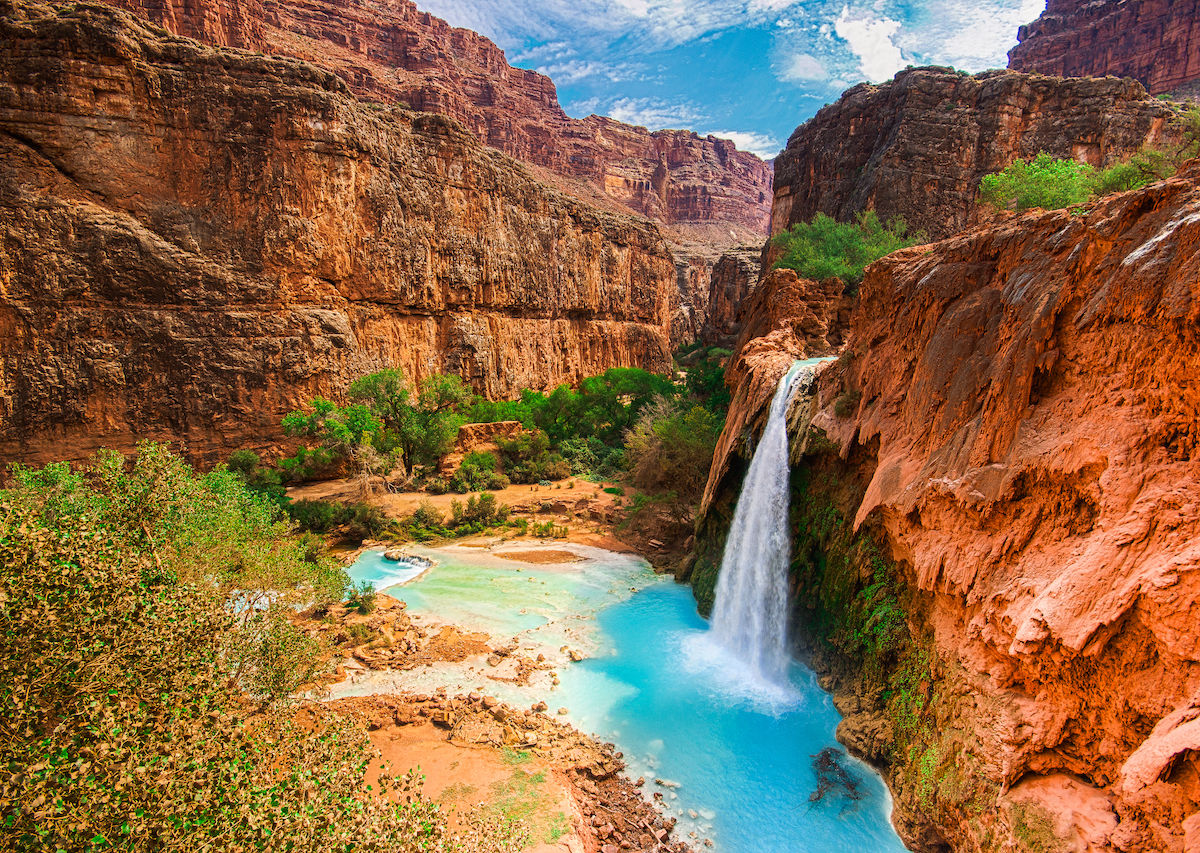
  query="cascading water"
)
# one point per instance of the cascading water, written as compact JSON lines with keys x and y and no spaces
{"x":750,"y":612}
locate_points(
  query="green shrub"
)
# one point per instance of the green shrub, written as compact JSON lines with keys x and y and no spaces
{"x":361,"y":598}
{"x":528,"y":458}
{"x":614,"y":490}
{"x":131,"y":636}
{"x":671,"y":447}
{"x":824,"y":248}
{"x":1041,"y":182}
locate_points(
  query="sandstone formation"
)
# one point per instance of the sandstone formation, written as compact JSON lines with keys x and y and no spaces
{"x":1008,"y":451}
{"x":917,"y":146}
{"x":706,"y":193}
{"x":734,"y":276}
{"x":1156,"y":42}
{"x":196,"y":240}
{"x":395,"y":53}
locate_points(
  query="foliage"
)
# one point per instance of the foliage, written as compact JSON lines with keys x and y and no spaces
{"x":825,"y":248}
{"x":1053,"y":184}
{"x":124,"y":672}
{"x":705,"y":381}
{"x":476,"y":472}
{"x":479,"y":512}
{"x":1041,"y":182}
{"x":528,"y":459}
{"x":592,"y":456}
{"x":197,"y":528}
{"x":361,"y":597}
{"x":358,"y":521}
{"x":338,"y":429}
{"x":671,"y":447}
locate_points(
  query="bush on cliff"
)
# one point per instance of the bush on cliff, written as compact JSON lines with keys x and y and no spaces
{"x":1043,"y":182}
{"x":1053,"y":184}
{"x":825,"y":248}
{"x":133,"y":630}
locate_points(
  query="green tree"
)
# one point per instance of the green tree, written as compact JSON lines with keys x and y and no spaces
{"x":824,"y":248}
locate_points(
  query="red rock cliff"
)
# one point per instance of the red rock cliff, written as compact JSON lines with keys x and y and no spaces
{"x":195,"y":240}
{"x":918,"y":145}
{"x":392,"y":51}
{"x":1013,"y":422}
{"x":1154,"y":41}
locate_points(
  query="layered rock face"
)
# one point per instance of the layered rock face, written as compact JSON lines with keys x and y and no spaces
{"x":392,"y":51}
{"x":734,"y":276}
{"x":196,"y":240}
{"x":1010,"y":442}
{"x":917,"y":146}
{"x":1154,"y":41}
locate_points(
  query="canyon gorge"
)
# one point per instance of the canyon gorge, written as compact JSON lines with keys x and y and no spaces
{"x":215,"y":211}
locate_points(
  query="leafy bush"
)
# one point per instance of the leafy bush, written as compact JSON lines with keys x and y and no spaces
{"x":359,"y":520}
{"x":479,"y":512}
{"x":477,"y":471}
{"x":1041,"y":182}
{"x":427,"y":515}
{"x":528,"y":459}
{"x":361,"y":598}
{"x":824,"y":248}
{"x":124,"y":673}
{"x":671,"y":448}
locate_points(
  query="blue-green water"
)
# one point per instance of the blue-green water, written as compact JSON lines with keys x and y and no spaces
{"x":740,"y":750}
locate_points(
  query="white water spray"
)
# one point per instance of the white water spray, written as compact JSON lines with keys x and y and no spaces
{"x":750,"y":613}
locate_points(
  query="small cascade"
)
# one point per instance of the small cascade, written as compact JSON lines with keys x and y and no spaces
{"x":750,"y":612}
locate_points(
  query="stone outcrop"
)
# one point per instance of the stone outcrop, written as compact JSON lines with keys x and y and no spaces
{"x":1156,"y":42}
{"x":917,"y":146}
{"x":1008,"y":451}
{"x":734,"y":276}
{"x":395,"y":53}
{"x":196,"y":240}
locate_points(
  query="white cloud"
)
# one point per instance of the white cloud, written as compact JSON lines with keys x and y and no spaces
{"x":574,"y":70}
{"x":803,"y":68}
{"x":761,"y":144}
{"x":870,"y":38}
{"x":654,"y":113}
{"x":968,"y":35}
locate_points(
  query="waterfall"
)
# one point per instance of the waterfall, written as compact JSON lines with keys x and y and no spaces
{"x":750,"y":613}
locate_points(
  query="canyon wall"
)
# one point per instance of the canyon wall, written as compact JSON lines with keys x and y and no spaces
{"x":395,"y":53}
{"x":917,"y":146}
{"x":1156,"y":42}
{"x":996,"y":560}
{"x":196,"y":240}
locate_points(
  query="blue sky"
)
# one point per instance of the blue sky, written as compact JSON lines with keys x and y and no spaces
{"x":750,"y":70}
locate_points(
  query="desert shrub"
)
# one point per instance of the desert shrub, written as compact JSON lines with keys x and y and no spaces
{"x":130,"y":638}
{"x":825,"y":248}
{"x":479,"y":512}
{"x":477,"y":471}
{"x":427,"y":515}
{"x":357,"y":521}
{"x":361,"y":597}
{"x":528,"y":458}
{"x":671,"y":448}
